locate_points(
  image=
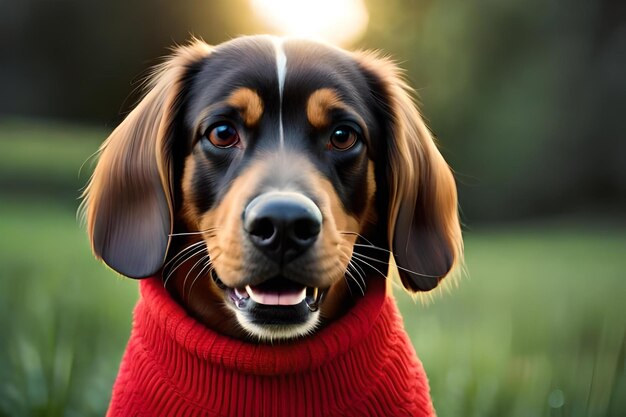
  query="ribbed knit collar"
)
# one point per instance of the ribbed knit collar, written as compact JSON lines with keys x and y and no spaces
{"x":362,"y":364}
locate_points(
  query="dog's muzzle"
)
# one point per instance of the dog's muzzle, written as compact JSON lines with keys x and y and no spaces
{"x":282,"y":226}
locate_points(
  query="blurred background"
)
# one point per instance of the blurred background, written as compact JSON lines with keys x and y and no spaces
{"x":527,"y":99}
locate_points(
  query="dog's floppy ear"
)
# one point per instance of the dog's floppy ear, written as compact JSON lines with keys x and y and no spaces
{"x":128,"y":201}
{"x":424,"y":229}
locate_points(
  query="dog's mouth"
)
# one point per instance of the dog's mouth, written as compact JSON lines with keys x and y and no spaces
{"x":277,"y":301}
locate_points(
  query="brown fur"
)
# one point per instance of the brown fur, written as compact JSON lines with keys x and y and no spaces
{"x":249,"y":104}
{"x":319,"y":104}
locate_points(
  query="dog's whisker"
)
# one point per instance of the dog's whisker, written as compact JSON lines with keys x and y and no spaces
{"x":182,"y":253}
{"x":201,"y":232}
{"x":355,"y":266}
{"x":359,"y":272}
{"x":345,"y":278}
{"x":374,"y":247}
{"x":391,"y":253}
{"x":202,"y":259}
{"x":208,"y":267}
{"x":182,"y":261}
{"x":356,"y":281}
{"x":200,"y":273}
{"x":370,"y":245}
{"x":350,"y":275}
{"x":362,"y":261}
{"x":346,"y":275}
{"x":359,"y":235}
{"x":397,"y":266}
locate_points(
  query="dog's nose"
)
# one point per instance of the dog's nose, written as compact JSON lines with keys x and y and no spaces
{"x":282,"y":224}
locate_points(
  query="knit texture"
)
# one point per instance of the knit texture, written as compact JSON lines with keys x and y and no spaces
{"x":360,"y":365}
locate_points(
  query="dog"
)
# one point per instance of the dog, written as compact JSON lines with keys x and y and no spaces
{"x":263,"y":190}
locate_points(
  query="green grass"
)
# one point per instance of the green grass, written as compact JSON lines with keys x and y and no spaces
{"x":64,"y":318}
{"x":537,"y":329}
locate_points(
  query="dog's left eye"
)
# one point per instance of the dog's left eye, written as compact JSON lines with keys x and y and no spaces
{"x":343,"y":138}
{"x":222,"y":135}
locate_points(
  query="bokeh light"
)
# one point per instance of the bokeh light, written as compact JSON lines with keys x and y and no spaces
{"x":339,"y":22}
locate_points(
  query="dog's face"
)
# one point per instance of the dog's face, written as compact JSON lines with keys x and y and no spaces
{"x":266,"y":180}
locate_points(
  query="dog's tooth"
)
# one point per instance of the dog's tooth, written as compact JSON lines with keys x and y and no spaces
{"x":240,"y":294}
{"x":315,"y":291}
{"x":252,"y":294}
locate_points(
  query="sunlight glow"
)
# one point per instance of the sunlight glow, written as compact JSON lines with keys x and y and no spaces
{"x":339,"y":22}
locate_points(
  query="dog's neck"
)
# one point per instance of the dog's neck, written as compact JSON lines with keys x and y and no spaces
{"x":361,"y":364}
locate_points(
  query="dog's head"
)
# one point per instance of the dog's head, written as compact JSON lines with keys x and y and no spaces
{"x":265,"y":179}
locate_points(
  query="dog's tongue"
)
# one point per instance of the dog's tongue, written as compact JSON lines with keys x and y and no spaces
{"x":287,"y":297}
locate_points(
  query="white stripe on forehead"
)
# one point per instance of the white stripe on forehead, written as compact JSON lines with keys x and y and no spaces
{"x":281,"y":70}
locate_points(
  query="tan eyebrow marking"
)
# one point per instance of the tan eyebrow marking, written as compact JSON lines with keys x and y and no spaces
{"x":320,"y":103}
{"x":249,"y":104}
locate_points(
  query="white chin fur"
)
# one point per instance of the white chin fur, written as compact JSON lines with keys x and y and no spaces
{"x":271,"y":333}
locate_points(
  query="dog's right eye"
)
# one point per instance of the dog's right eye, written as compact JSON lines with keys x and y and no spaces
{"x":222,"y":135}
{"x":343,"y":138}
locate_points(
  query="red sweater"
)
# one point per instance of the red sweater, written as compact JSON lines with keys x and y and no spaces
{"x":361,"y":365}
